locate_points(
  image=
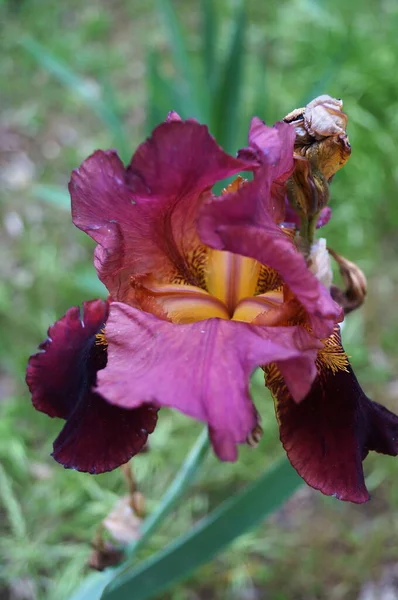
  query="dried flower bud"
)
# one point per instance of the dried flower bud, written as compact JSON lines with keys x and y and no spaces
{"x":254,"y":437}
{"x":355,"y":284}
{"x":321,"y":135}
{"x":107,"y":555}
{"x":122,"y":523}
{"x":307,"y":189}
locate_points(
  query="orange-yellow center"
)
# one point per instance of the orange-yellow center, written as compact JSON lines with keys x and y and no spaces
{"x":232,"y":283}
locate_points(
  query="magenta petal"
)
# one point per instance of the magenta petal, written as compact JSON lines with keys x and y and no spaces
{"x":330,"y":432}
{"x":201,"y":369}
{"x":324,"y":217}
{"x":98,"y":436}
{"x":272,"y":147}
{"x":239,"y":223}
{"x":144,"y":217}
{"x":179,"y":160}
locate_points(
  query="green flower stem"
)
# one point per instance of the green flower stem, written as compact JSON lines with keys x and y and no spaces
{"x":93,"y":587}
{"x":182,"y":480}
{"x":307,"y":232}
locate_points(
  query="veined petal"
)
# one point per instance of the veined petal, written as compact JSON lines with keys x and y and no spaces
{"x":179,"y":303}
{"x":97,"y":436}
{"x":328,"y":434}
{"x":231,"y":277}
{"x":265,"y":309}
{"x":201,"y":369}
{"x":238,"y":223}
{"x":144,"y":217}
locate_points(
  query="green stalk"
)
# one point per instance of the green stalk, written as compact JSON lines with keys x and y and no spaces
{"x":182,"y":480}
{"x":93,"y":587}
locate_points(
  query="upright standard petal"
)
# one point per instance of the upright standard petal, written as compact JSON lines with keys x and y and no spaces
{"x":97,"y":436}
{"x":239,"y":222}
{"x":201,"y":369}
{"x":328,"y":434}
{"x":143,"y":217}
{"x":272,"y":146}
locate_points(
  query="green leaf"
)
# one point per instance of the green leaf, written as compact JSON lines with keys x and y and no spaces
{"x":163,"y":95}
{"x":12,"y":508}
{"x":210,"y":536}
{"x":53,"y":194}
{"x":225,"y":116}
{"x":92,"y":95}
{"x":209,"y":36}
{"x":187,"y":79}
{"x":93,"y":586}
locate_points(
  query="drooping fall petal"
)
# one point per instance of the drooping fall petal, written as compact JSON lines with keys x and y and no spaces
{"x":97,"y":436}
{"x":328,"y":434}
{"x":201,"y":368}
{"x":143,"y":217}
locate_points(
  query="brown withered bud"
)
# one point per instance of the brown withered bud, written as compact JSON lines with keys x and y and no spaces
{"x":107,"y":555}
{"x":122,"y":523}
{"x":353,"y":295}
{"x":254,"y":437}
{"x":321,"y":135}
{"x":307,"y":189}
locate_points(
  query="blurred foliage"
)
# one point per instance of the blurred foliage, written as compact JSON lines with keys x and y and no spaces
{"x":125,"y":58}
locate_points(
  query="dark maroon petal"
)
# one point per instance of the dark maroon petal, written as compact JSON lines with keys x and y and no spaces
{"x":144,"y":217}
{"x":66,"y":366}
{"x":330,"y":432}
{"x":239,"y":223}
{"x":99,"y":436}
{"x":201,"y":369}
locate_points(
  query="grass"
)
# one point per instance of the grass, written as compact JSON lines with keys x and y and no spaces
{"x":315,"y":548}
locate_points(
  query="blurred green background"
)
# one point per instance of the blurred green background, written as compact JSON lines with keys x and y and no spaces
{"x":103,"y":75}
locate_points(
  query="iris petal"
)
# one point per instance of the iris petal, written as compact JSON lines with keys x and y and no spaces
{"x":201,"y":369}
{"x":330,"y":432}
{"x":97,"y":436}
{"x":144,"y":217}
{"x":239,"y":223}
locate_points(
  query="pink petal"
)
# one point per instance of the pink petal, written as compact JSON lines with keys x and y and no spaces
{"x":274,"y":147}
{"x":201,"y":369}
{"x":143,"y":217}
{"x":239,"y":222}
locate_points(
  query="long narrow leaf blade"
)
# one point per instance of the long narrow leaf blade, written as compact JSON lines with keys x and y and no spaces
{"x":225,"y":115}
{"x":210,"y":536}
{"x":52,"y":194}
{"x":91,"y":95}
{"x":209,"y":38}
{"x":187,"y":81}
{"x":163,"y":96}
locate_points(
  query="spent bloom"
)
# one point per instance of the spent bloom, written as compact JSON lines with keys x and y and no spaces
{"x":204,"y":288}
